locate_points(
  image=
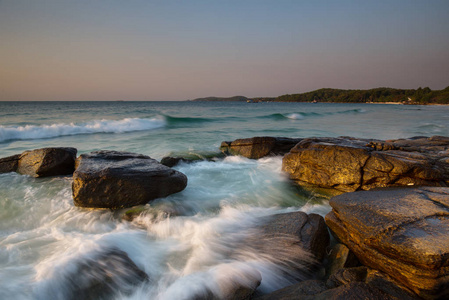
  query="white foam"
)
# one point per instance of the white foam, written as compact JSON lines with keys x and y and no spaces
{"x":29,"y":132}
{"x":295,"y":116}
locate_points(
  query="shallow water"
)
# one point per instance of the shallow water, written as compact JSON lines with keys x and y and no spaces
{"x":188,"y":242}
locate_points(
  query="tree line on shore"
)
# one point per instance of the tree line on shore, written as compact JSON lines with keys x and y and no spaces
{"x":377,"y":95}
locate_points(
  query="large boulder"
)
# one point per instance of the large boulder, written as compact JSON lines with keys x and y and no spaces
{"x":258,"y":147}
{"x":47,"y":162}
{"x":112,"y":179}
{"x":9,"y":164}
{"x":348,"y":164}
{"x":402,"y":232}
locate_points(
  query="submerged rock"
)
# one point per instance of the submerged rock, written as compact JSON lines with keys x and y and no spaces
{"x":402,"y":232}
{"x":47,"y":162}
{"x":348,"y":164}
{"x":174,"y":158}
{"x":112,"y":179}
{"x":9,"y":164}
{"x":258,"y":147}
{"x":98,"y":277}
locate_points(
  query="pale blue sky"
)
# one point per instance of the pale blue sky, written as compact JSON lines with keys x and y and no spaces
{"x":177,"y":50}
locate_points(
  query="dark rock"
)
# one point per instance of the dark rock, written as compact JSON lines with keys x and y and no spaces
{"x":237,"y":286}
{"x":297,"y":291}
{"x":316,"y":290}
{"x":308,"y":231}
{"x":350,"y":283}
{"x":386,"y":284}
{"x":174,"y":158}
{"x":258,"y":147}
{"x":402,"y":232}
{"x":9,"y":164}
{"x":47,"y":162}
{"x":98,"y":277}
{"x":347,"y":275}
{"x":348,"y":164}
{"x":340,"y":257}
{"x":111,"y":179}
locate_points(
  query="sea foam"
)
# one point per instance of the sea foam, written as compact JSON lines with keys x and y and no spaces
{"x":29,"y":132}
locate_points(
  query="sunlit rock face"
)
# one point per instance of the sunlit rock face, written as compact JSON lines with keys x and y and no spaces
{"x":111,"y":179}
{"x":402,"y":232}
{"x":349,"y":164}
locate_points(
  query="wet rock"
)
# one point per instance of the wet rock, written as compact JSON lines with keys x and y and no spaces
{"x":340,"y":257}
{"x":316,"y":290}
{"x":386,"y":284}
{"x":9,"y":164}
{"x":98,"y":277}
{"x":174,"y":158}
{"x":258,"y":147}
{"x":112,"y":179}
{"x":308,"y":231}
{"x":347,"y":275}
{"x":402,"y":232}
{"x":47,"y":162}
{"x":300,"y":290}
{"x":350,"y":283}
{"x":348,"y":164}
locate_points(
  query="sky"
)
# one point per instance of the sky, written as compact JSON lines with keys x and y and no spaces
{"x":178,"y":50}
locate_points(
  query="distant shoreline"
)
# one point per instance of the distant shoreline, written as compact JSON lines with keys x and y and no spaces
{"x":382,"y":95}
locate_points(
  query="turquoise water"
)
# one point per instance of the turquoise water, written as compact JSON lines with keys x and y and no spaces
{"x":183,"y":242}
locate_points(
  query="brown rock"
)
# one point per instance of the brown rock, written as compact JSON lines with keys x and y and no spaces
{"x":111,"y":179}
{"x":258,"y":147}
{"x":9,"y":164}
{"x":348,"y":164}
{"x":402,"y":232}
{"x":47,"y":162}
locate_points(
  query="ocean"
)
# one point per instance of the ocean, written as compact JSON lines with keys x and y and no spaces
{"x":189,"y":241}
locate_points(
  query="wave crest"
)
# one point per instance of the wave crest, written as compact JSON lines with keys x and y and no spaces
{"x":30,"y":132}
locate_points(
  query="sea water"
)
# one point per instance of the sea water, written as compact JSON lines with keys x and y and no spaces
{"x":190,"y":241}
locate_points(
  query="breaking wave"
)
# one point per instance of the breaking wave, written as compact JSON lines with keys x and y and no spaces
{"x":29,"y":132}
{"x":302,"y":115}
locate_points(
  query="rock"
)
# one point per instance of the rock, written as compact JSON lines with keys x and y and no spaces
{"x":348,"y":164}
{"x":9,"y":164}
{"x":258,"y":147}
{"x":347,"y":275}
{"x":402,"y":232}
{"x":98,"y":277}
{"x":174,"y":158}
{"x":111,"y":179}
{"x":47,"y":162}
{"x":351,"y":283}
{"x":386,"y":284}
{"x":316,"y":290}
{"x":308,"y":231}
{"x":297,"y":291}
{"x":340,"y":257}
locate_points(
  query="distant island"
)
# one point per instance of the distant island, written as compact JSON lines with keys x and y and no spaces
{"x":377,"y":95}
{"x":235,"y":98}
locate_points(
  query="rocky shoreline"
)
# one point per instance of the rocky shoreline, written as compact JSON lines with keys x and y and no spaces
{"x":389,"y":218}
